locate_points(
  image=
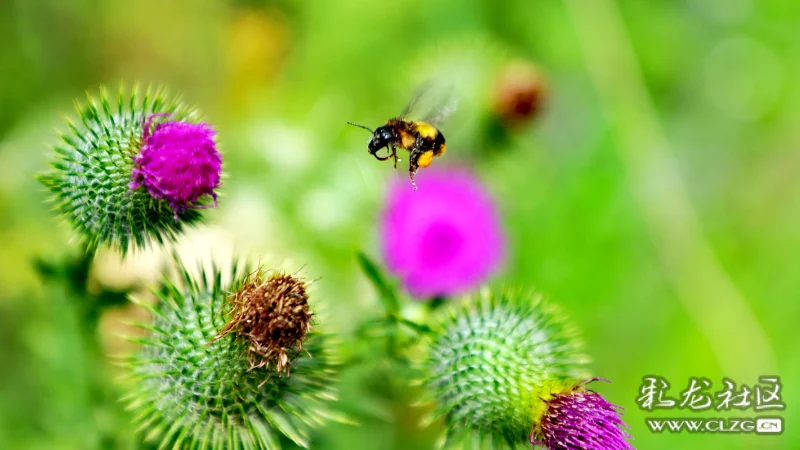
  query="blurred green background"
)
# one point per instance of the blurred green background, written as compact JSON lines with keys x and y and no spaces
{"x":655,"y":198}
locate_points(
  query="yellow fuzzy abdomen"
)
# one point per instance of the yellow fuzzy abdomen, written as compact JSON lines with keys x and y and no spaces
{"x":425,"y":159}
{"x":427,"y":131}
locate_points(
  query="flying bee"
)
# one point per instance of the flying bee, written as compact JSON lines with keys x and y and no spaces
{"x":421,"y":138}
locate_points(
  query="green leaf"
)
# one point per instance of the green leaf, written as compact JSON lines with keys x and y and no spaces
{"x":386,"y":290}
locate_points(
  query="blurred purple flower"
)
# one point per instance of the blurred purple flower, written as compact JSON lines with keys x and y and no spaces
{"x":443,"y":239}
{"x":178,"y":162}
{"x":582,"y":419}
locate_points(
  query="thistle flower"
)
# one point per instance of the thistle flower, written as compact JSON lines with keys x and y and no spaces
{"x":178,"y":162}
{"x":491,"y":361}
{"x":443,"y":239}
{"x":109,"y":146}
{"x":520,"y":93}
{"x":273,"y":315}
{"x":580,"y":419}
{"x":197,"y":387}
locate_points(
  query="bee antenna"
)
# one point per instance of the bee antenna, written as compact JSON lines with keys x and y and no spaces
{"x":360,"y":126}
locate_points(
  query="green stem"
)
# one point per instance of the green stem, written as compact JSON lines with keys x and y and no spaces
{"x":417,"y":328}
{"x":706,"y":292}
{"x":435,"y":303}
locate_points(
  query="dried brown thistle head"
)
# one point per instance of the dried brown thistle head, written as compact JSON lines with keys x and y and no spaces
{"x":520,"y":93}
{"x":273,"y":315}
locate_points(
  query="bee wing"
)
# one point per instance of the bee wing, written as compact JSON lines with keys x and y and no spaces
{"x":432,"y":102}
{"x":418,"y":94}
{"x":446,"y":107}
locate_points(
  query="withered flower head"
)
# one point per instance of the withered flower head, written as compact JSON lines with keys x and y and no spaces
{"x":274,"y":315}
{"x":520,"y":93}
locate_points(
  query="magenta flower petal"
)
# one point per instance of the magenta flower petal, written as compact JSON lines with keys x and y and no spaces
{"x":178,"y":162}
{"x":582,"y":419}
{"x":443,"y":239}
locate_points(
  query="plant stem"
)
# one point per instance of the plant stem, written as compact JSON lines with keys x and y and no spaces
{"x":706,"y":292}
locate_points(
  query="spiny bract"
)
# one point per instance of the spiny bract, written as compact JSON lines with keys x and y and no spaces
{"x":192,"y":391}
{"x":93,"y":166}
{"x":491,"y":360}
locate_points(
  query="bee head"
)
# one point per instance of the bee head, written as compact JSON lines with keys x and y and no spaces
{"x":380,"y":138}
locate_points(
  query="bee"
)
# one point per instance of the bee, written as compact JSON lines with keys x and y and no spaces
{"x":421,"y":138}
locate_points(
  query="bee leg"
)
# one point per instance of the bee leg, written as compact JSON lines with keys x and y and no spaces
{"x":379,"y":158}
{"x":394,"y":155}
{"x":413,"y":166}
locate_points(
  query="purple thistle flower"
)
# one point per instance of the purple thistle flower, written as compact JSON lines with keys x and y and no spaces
{"x":178,"y":162}
{"x":444,"y":238}
{"x":580,"y":419}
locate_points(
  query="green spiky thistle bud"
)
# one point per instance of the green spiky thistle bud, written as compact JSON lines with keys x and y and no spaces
{"x":491,"y":361}
{"x":198,"y":386}
{"x":132,"y":168}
